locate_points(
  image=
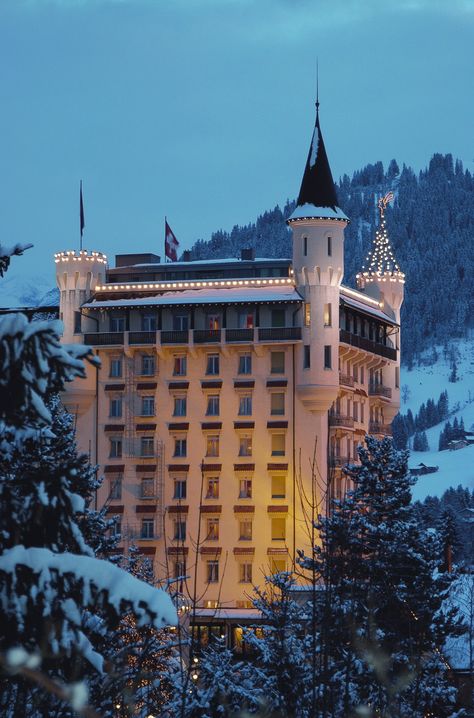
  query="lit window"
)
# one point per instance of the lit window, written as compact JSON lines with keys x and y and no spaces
{"x":212,"y":445}
{"x":327,"y":357}
{"x":277,"y":403}
{"x":245,"y":364}
{"x":179,"y":406}
{"x":245,"y":320}
{"x":245,"y":573}
{"x":147,"y":488}
{"x":148,"y":406}
{"x":327,"y":315}
{"x":115,"y":448}
{"x":179,"y":489}
{"x":147,"y":446}
{"x":245,"y":405}
{"x":277,"y":362}
{"x":278,"y":487}
{"x":245,"y":489}
{"x":212,"y":529}
{"x":115,"y":490}
{"x":180,"y":447}
{"x":180,"y":530}
{"x":245,"y":530}
{"x":147,"y":529}
{"x":116,"y":367}
{"x":149,"y":322}
{"x":245,"y":446}
{"x":212,"y":571}
{"x":148,"y":365}
{"x":212,"y":405}
{"x":212,"y":367}
{"x":212,"y":488}
{"x":115,"y":407}
{"x":307,"y":314}
{"x":117,"y":324}
{"x":179,"y":365}
{"x":278,"y":444}
{"x":213,"y":321}
{"x":278,"y":529}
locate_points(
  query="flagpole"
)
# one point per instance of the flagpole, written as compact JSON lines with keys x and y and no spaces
{"x":165,"y":237}
{"x":81,"y":216}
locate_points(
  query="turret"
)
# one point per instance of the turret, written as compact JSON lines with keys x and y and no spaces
{"x":318,"y":265}
{"x":77,"y":275}
{"x":381,"y":277}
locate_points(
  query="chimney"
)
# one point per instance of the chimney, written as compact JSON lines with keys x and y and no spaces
{"x":247,"y":254}
{"x":187,"y":255}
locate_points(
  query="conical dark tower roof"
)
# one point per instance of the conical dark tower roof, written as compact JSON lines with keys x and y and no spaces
{"x":317,"y":187}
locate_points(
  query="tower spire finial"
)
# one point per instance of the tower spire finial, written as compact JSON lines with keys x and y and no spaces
{"x":317,"y":85}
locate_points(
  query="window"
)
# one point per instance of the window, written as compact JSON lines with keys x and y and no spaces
{"x":245,"y":489}
{"x":147,"y":529}
{"x":117,"y":324}
{"x":278,"y":487}
{"x":212,"y":445}
{"x":245,"y":446}
{"x":147,"y":446}
{"x":115,"y":448}
{"x":148,"y":406}
{"x":179,"y":406}
{"x":77,"y":323}
{"x":180,"y":530}
{"x":212,"y":367}
{"x":277,"y":362}
{"x":278,"y":444}
{"x":179,"y":365}
{"x":277,"y":403}
{"x":212,"y":571}
{"x":362,"y":408}
{"x":327,"y":357}
{"x":213,"y":321}
{"x":362,"y":376}
{"x":147,"y":488}
{"x":116,"y":367}
{"x":355,"y":411}
{"x":278,"y":317}
{"x":355,"y":373}
{"x":329,"y":246}
{"x":245,"y":364}
{"x":179,"y":569}
{"x":212,"y":405}
{"x":307,"y":314}
{"x":179,"y":489}
{"x":245,"y":320}
{"x":180,"y":322}
{"x":245,"y":405}
{"x":278,"y":529}
{"x":115,"y":407}
{"x":149,"y":322}
{"x":306,"y":356}
{"x":116,"y":528}
{"x":305,"y":246}
{"x":115,"y":490}
{"x":212,"y":488}
{"x":212,"y":529}
{"x":245,"y":530}
{"x":148,"y":365}
{"x":180,"y":447}
{"x":277,"y":566}
{"x":245,"y":573}
{"x":397,"y":377}
{"x":327,"y":314}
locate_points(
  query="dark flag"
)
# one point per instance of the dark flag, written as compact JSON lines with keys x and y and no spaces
{"x":171,"y":244}
{"x":81,"y":213}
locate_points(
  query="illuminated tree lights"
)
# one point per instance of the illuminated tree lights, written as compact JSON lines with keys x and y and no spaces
{"x":380,"y":262}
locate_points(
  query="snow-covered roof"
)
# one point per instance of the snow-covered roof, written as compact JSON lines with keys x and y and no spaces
{"x":226,"y":260}
{"x":226,"y":614}
{"x":311,"y":211}
{"x":211,"y":295}
{"x":368,"y":309}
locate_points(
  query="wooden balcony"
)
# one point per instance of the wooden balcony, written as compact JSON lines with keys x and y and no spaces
{"x":367,"y":345}
{"x":176,"y":336}
{"x":141,"y":338}
{"x":207,"y":336}
{"x":378,"y":390}
{"x":104,"y":339}
{"x":279,"y":334}
{"x":239,"y":335}
{"x":341,"y":422}
{"x":383,"y":429}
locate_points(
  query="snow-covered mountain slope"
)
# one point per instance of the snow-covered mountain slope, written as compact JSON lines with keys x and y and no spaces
{"x":26,"y":291}
{"x":427,"y":382}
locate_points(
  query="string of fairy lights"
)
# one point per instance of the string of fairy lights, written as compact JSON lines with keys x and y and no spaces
{"x":380,"y":262}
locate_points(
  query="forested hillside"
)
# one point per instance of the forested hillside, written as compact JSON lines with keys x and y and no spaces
{"x":431,"y":227}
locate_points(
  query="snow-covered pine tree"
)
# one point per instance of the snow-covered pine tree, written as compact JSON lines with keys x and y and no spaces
{"x":50,"y":580}
{"x":384,"y":628}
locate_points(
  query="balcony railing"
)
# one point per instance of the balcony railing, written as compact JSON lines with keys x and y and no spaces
{"x":367,"y":345}
{"x":103,"y":339}
{"x":339,"y":420}
{"x":207,"y":336}
{"x":345,"y":379}
{"x":177,"y":336}
{"x":239,"y":335}
{"x":279,"y":334}
{"x":338,"y":461}
{"x":142,"y":338}
{"x":379,"y":390}
{"x":376,"y":428}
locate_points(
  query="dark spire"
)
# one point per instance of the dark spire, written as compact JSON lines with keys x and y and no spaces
{"x":317,"y":187}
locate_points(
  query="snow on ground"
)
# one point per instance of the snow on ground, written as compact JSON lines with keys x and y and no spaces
{"x":427,"y":382}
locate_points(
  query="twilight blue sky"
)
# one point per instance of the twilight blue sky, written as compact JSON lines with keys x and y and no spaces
{"x":203,"y":109}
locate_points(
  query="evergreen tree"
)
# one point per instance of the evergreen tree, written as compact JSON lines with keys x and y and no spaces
{"x":443,"y":406}
{"x":453,"y":377}
{"x":384,"y":624}
{"x":449,"y":537}
{"x":400,"y":432}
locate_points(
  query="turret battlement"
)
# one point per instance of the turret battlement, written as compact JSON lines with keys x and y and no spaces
{"x":80,"y":256}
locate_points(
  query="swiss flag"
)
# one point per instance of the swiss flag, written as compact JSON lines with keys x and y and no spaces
{"x":171,"y":243}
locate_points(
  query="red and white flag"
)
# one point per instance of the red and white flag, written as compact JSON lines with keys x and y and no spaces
{"x":171,"y":244}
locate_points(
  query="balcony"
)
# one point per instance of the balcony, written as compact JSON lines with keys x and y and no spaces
{"x":379,"y":390}
{"x":276,"y":334}
{"x":346,"y":380}
{"x":376,"y":428}
{"x":104,"y":339}
{"x":207,"y":336}
{"x":239,"y":335}
{"x":335,"y":462}
{"x":367,"y":345}
{"x":140,"y":338}
{"x":177,"y":336}
{"x":340,"y":421}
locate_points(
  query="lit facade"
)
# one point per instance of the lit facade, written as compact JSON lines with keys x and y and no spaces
{"x":230,"y":390}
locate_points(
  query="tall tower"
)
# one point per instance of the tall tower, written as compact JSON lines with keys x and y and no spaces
{"x":318,"y":265}
{"x":381,"y":277}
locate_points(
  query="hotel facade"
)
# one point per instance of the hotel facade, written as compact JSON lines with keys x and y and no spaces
{"x":232,"y":392}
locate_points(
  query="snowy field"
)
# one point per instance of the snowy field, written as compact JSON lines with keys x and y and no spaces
{"x":427,"y":382}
